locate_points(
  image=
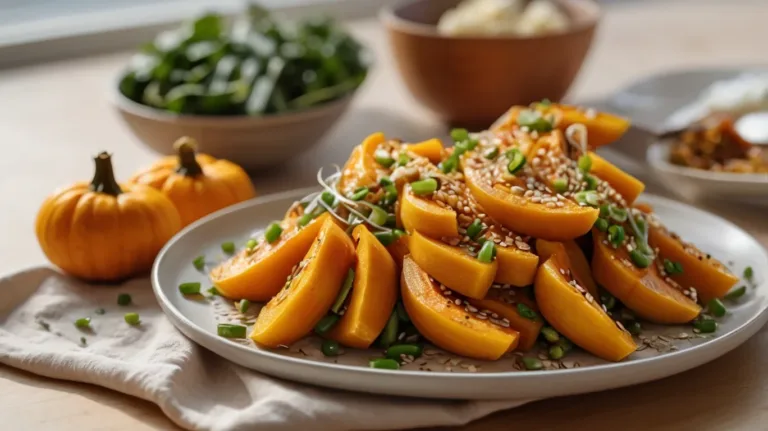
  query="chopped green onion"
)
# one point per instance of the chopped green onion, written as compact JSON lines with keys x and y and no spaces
{"x":450,"y":164}
{"x":192,"y":288}
{"x":532,"y":364}
{"x":402,"y":314}
{"x":83,"y":341}
{"x":601,"y":224}
{"x":100,"y":311}
{"x":424,"y":187}
{"x":378,"y":216}
{"x":516,"y":160}
{"x":124,"y":299}
{"x":616,"y":234}
{"x":749,"y":273}
{"x":403,"y":159}
{"x":132,"y":318}
{"x":534,"y":121}
{"x":459,"y":135}
{"x":565,"y":344}
{"x":383,"y":158}
{"x":389,"y":334}
{"x":330,"y":348}
{"x":391,"y":220}
{"x":556,"y":352}
{"x":388,"y":237}
{"x":716,"y":308}
{"x":252,"y":243}
{"x":199,"y":263}
{"x":396,"y":352}
{"x":228,"y":247}
{"x":560,"y":185}
{"x":550,"y":334}
{"x":592,"y":182}
{"x":605,"y":210}
{"x":384,"y":364}
{"x":326,"y":323}
{"x":492,"y":153}
{"x":243,"y":305}
{"x":736,"y":293}
{"x":460,"y":148}
{"x":386,"y":181}
{"x":526,"y":311}
{"x":633,"y":327}
{"x":228,"y":330}
{"x":640,"y":259}
{"x":585,"y":163}
{"x":83,"y":322}
{"x":213,"y":291}
{"x":474,"y":229}
{"x":641,"y":226}
{"x":471,"y":144}
{"x":545,"y":103}
{"x":303,"y":221}
{"x":487,"y":252}
{"x":273,"y":232}
{"x":587,"y":197}
{"x":617,"y":214}
{"x":328,"y":198}
{"x":608,"y":300}
{"x":705,"y":325}
{"x":346,"y":287}
{"x":672,"y":268}
{"x":359,"y":194}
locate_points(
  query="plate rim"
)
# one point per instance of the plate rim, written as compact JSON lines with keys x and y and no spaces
{"x":660,"y":148}
{"x":717,"y":345}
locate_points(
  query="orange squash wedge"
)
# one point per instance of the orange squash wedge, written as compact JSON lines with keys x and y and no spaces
{"x":296,"y":309}
{"x":577,"y":261}
{"x":582,"y":321}
{"x":643,"y":291}
{"x":426,"y":216}
{"x":259,"y":274}
{"x":602,"y":128}
{"x":398,"y":250}
{"x":504,"y":302}
{"x":707,"y":275}
{"x":361,"y":168}
{"x":626,"y":185}
{"x":452,"y":266}
{"x":448,"y":325}
{"x":519,"y":214}
{"x":431,"y":149}
{"x":373,"y":294}
{"x":515,"y":267}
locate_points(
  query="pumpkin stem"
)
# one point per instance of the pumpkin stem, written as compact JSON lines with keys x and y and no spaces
{"x":186,"y":147}
{"x":104,"y":177}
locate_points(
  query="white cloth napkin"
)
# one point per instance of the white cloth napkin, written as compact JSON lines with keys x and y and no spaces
{"x":195,"y":388}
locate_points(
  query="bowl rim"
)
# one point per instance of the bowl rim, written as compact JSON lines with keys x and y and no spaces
{"x":390,"y":19}
{"x":126,"y":105}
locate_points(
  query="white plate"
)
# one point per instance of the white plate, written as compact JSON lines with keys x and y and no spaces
{"x":198,"y":320}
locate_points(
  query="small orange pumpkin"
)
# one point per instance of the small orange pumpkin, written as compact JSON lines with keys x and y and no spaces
{"x":198,"y":184}
{"x":103,"y":231}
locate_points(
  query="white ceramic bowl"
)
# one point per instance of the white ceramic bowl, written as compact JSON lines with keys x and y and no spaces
{"x":698,"y":184}
{"x":252,"y":142}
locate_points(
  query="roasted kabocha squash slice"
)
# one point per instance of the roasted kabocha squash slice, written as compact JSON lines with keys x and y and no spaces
{"x":578,"y":263}
{"x":258,"y":273}
{"x":504,"y":306}
{"x":570,"y":309}
{"x":446,"y":321}
{"x":308,"y":292}
{"x":367,"y":306}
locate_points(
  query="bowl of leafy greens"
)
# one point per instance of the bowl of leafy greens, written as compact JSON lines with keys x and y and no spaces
{"x":257,"y":90}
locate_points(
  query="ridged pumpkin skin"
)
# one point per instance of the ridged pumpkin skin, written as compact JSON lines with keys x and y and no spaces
{"x":197,"y":184}
{"x":98,"y":236}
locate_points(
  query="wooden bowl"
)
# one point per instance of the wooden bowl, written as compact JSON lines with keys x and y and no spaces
{"x":255,"y":143}
{"x":471,"y":81}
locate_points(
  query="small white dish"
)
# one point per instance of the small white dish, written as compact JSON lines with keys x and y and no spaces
{"x":197,"y":319}
{"x":695,"y":184}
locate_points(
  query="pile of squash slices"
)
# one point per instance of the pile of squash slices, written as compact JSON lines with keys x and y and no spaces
{"x":517,"y":235}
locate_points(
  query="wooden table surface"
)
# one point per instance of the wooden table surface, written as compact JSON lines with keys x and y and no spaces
{"x":56,"y":115}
